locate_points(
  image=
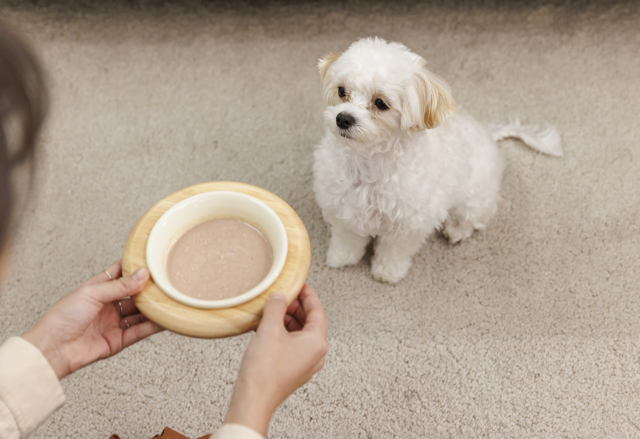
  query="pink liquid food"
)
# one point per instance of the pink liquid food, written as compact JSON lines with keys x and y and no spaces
{"x":219,"y":259}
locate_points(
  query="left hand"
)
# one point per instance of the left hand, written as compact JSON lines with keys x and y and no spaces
{"x":87,"y":325}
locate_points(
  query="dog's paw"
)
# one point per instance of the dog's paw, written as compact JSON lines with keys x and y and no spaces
{"x":458,"y":231}
{"x":340,"y":256}
{"x":390,"y":271}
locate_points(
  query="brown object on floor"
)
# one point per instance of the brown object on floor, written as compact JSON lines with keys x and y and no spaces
{"x":167,"y":433}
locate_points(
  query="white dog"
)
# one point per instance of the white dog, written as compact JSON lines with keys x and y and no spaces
{"x":396,"y":164}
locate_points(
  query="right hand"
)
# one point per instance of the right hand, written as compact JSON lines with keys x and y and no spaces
{"x":289,"y":347}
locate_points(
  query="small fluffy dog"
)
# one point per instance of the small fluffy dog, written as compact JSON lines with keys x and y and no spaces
{"x":396,"y":164}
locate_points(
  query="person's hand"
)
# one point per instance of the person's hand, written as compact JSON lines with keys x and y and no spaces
{"x":287,"y":350}
{"x":93,"y":322}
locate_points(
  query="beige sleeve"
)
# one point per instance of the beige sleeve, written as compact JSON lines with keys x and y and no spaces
{"x":29,"y":389}
{"x":236,"y":431}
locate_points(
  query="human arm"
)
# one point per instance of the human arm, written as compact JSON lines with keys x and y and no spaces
{"x":82,"y":327}
{"x":289,"y":347}
{"x":29,"y":389}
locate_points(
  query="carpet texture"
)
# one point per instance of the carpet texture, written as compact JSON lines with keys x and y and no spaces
{"x":528,"y":330}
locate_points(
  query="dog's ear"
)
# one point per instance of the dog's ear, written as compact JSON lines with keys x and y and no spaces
{"x":325,"y":62}
{"x":428,"y":101}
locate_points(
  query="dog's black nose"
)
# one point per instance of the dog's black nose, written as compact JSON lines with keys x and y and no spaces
{"x":344,"y":120}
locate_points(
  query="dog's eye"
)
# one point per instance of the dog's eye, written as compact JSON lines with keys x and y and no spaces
{"x":380,"y":104}
{"x":341,"y":92}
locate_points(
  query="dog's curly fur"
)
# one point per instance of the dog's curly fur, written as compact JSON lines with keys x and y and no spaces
{"x":400,"y":173}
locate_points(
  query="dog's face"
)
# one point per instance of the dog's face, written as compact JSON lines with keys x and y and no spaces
{"x":377,"y":90}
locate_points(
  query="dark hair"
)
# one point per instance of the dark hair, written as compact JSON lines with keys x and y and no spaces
{"x":23,"y":106}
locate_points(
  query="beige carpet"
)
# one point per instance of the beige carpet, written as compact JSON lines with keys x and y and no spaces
{"x":530,"y":330}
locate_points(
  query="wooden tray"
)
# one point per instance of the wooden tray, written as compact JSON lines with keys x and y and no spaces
{"x":216,"y":323}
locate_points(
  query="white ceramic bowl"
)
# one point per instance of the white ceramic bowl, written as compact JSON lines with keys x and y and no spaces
{"x":199,"y":208}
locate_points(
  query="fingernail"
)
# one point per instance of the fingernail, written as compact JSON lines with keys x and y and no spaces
{"x":279,"y":296}
{"x":139,"y":274}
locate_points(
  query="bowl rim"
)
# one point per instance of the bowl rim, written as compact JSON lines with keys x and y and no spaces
{"x":267,"y":281}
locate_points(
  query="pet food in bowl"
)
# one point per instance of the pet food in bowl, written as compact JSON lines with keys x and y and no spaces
{"x":219,"y":259}
{"x":216,"y":249}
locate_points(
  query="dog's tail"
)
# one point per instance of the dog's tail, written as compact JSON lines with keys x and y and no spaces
{"x":545,"y":139}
